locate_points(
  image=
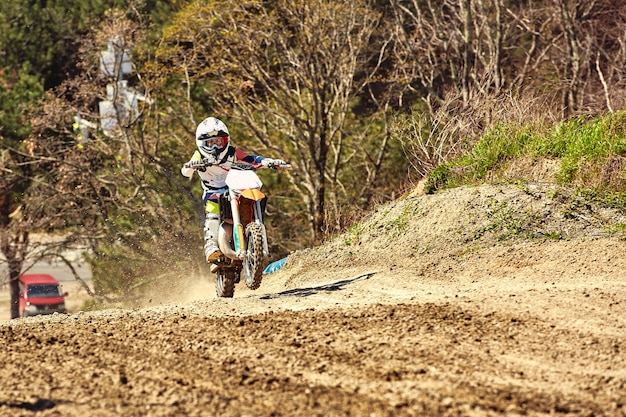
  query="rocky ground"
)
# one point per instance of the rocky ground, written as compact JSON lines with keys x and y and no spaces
{"x":481,"y":301}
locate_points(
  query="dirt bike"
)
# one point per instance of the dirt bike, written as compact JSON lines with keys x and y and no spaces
{"x":242,"y":238}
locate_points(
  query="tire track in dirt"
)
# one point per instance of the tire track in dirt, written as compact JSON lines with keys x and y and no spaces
{"x":419,"y":359}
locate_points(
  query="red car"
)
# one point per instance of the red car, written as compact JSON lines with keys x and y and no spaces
{"x":40,"y":294}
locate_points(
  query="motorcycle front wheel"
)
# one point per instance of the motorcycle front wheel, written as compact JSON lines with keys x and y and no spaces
{"x":253,"y":262}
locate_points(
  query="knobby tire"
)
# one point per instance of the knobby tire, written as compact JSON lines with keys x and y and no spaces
{"x":225,"y":283}
{"x":253,"y":263}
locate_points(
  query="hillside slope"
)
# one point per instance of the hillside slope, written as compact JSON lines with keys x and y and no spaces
{"x":477,"y":301}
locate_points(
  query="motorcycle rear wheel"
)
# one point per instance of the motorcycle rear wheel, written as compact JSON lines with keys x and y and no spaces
{"x":225,"y":282}
{"x":253,"y":262}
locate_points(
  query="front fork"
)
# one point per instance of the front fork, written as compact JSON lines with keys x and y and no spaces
{"x":258,"y":216}
{"x":239,"y":241}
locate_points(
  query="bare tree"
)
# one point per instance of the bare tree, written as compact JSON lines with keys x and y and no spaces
{"x":14,"y":239}
{"x":38,"y":200}
{"x":571,"y":70}
{"x":290,"y":71}
{"x":468,"y":49}
{"x":576,"y":52}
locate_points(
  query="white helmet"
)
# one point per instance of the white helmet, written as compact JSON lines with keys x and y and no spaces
{"x":212,"y":137}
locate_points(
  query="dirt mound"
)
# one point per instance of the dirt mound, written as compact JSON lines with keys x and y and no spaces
{"x":483,"y":301}
{"x":468,"y":231}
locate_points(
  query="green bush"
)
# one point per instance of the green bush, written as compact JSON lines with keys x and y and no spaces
{"x":590,"y":153}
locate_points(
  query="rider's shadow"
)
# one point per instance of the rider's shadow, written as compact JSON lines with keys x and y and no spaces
{"x":308,"y":291}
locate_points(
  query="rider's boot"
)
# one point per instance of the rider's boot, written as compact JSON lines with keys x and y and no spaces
{"x":211,"y":249}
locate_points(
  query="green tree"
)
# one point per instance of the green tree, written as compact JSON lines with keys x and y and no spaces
{"x":53,"y":183}
{"x":122,"y":179}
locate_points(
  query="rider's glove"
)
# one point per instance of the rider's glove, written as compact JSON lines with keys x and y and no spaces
{"x":194,"y":163}
{"x":271,"y":163}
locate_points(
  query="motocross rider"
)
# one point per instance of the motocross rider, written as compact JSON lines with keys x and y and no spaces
{"x":213,"y":142}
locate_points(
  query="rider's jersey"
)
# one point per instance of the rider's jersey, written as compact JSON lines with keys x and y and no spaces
{"x":214,"y":177}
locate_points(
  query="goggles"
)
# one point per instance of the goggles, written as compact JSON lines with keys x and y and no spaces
{"x":211,"y":141}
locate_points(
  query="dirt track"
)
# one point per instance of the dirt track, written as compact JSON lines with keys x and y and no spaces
{"x":525,"y":327}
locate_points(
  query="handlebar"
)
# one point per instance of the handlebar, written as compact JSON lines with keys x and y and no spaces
{"x":236,"y":165}
{"x":278,"y":165}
